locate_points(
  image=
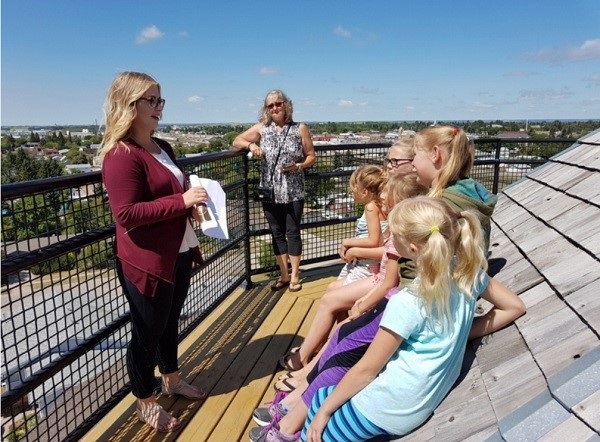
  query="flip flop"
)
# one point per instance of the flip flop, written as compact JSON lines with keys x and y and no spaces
{"x":285,"y":375}
{"x":279,"y":284}
{"x":285,"y":385}
{"x":295,"y":286}
{"x":284,"y":361}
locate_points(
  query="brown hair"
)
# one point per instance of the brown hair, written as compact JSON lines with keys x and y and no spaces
{"x":402,"y":186}
{"x":371,"y":178}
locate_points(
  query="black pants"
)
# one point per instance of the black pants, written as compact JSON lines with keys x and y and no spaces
{"x":155,"y":327}
{"x":284,"y":221}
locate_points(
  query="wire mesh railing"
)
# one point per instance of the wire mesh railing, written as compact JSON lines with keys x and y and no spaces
{"x":65,"y":322}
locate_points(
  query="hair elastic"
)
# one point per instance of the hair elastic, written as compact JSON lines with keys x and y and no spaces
{"x":455,"y":131}
{"x":434,"y":229}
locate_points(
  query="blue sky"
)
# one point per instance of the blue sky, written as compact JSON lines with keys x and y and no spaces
{"x":338,"y":60}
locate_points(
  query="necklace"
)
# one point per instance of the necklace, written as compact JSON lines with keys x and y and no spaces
{"x":150,"y":150}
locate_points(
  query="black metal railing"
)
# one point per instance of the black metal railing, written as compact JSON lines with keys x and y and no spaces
{"x":65,"y":322}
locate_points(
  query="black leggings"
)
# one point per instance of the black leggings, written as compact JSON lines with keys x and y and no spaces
{"x":155,"y":328}
{"x":284,"y":221}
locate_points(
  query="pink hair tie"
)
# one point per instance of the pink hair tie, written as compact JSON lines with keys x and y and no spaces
{"x":455,"y":131}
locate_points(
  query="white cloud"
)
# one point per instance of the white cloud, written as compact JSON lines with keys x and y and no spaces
{"x":594,"y":80}
{"x":588,"y":50}
{"x":520,"y":74}
{"x":345,"y":103}
{"x":195,"y":99}
{"x":148,"y":34}
{"x":480,"y":105}
{"x":265,"y":70}
{"x":541,"y":95}
{"x":367,"y":90}
{"x":183,"y":34}
{"x":341,"y":32}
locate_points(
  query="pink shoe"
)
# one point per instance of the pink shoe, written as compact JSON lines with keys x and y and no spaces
{"x":184,"y":389}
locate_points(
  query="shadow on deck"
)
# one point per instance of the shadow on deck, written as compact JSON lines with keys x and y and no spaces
{"x":232,"y":355}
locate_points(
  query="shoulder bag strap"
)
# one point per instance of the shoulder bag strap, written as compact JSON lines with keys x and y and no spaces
{"x":279,"y":153}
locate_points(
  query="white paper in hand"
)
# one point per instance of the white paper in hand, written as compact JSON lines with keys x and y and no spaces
{"x":214,"y":212}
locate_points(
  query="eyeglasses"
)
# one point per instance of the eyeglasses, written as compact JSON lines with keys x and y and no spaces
{"x":154,"y":101}
{"x":395,"y":162}
{"x":276,"y":104}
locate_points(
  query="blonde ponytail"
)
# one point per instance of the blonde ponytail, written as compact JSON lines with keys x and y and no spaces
{"x":450,"y":250}
{"x":460,"y":154}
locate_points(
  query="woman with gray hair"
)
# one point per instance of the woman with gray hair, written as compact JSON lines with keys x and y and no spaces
{"x":285,"y":150}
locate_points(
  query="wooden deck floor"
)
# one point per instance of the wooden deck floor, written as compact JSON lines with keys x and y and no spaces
{"x":233,"y":355}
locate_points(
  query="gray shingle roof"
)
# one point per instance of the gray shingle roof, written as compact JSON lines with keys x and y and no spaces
{"x":539,"y":378}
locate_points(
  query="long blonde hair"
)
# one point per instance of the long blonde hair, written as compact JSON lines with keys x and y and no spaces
{"x":461,"y":154}
{"x":119,"y":107}
{"x":265,"y":117}
{"x":450,"y":250}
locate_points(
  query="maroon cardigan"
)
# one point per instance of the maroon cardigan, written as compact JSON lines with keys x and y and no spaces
{"x":147,"y":204}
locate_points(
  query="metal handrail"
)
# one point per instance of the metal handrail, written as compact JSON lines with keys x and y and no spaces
{"x":238,"y":176}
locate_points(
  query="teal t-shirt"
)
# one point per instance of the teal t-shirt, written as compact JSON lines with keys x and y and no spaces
{"x":425,"y":366}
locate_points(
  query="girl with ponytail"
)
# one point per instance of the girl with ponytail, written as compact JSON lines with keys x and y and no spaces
{"x":417,"y":353}
{"x":443,"y":160}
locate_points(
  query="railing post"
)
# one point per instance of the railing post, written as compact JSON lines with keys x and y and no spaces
{"x":247,"y":250}
{"x":496,"y":180}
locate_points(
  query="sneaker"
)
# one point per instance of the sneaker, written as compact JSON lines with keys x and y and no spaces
{"x":271,"y":433}
{"x":264,"y":416}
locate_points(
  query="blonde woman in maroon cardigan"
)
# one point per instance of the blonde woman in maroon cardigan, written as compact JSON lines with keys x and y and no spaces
{"x":155,"y":245}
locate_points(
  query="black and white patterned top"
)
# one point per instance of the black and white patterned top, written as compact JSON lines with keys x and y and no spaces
{"x":288,"y":186}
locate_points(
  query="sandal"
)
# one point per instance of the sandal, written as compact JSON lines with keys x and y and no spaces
{"x":285,"y":375}
{"x":184,"y":389}
{"x":285,"y":386}
{"x":279,"y":284}
{"x":286,"y":360}
{"x":295,"y":286}
{"x":155,"y":416}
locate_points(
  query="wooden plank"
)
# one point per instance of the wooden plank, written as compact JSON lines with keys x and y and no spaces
{"x":122,"y":416}
{"x":513,"y":384}
{"x":589,"y":411}
{"x":228,"y":381}
{"x":286,"y":324}
{"x":519,"y":276}
{"x":534,"y":296}
{"x":586,"y":303}
{"x":588,"y":189}
{"x":526,"y":186}
{"x":572,"y":269}
{"x":498,"y":348}
{"x":269,"y":392}
{"x":579,"y":225}
{"x":571,"y":429}
{"x":570,"y":348}
{"x":247,"y":397}
{"x":314,"y":291}
{"x":458,"y":423}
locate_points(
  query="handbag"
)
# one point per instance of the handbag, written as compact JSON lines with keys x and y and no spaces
{"x":266,"y":194}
